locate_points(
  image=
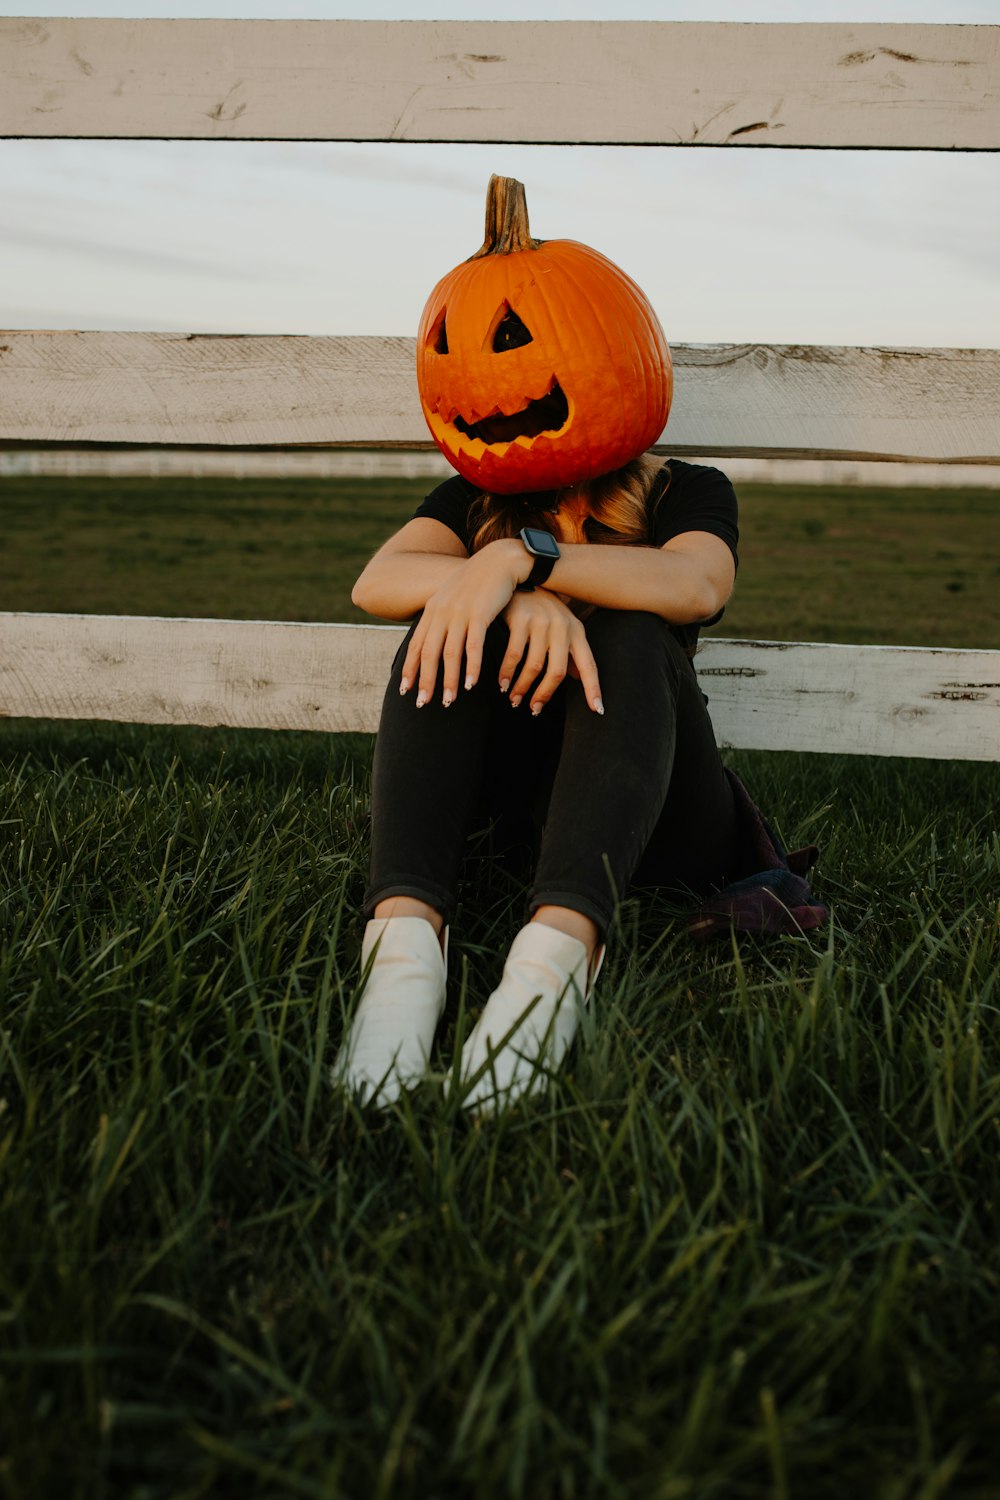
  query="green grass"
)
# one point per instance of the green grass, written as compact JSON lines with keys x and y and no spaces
{"x":892,"y":567}
{"x":898,"y":567}
{"x":746,"y":1248}
{"x":215,"y":548}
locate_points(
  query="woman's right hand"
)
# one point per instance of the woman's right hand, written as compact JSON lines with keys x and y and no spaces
{"x":452,"y":628}
{"x":547,"y":636}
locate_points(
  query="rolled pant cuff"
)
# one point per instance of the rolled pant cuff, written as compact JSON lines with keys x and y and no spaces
{"x":442,"y":902}
{"x":601,"y":913}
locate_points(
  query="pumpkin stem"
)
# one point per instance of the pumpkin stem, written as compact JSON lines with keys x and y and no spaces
{"x":506,"y":219}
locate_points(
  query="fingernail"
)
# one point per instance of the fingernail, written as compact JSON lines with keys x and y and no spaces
{"x":421,"y":699}
{"x":404,"y":686}
{"x":504,"y":684}
{"x":447,"y":698}
{"x":536,"y":710}
{"x":515,"y":700}
{"x":598,"y":706}
{"x":468,"y":683}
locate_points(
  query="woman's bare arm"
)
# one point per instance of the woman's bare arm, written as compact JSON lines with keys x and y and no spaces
{"x":408,"y":569}
{"x":686,"y":580}
{"x":425,"y":568}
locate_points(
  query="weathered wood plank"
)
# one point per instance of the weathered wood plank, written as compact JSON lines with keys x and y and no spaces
{"x":915,"y":405}
{"x":99,"y":462}
{"x":247,"y":674}
{"x":872,"y":700}
{"x":664,"y":83}
{"x":854,"y":700}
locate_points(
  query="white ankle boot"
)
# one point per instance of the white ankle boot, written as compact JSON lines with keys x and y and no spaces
{"x":546,"y":967}
{"x":389,"y":1041}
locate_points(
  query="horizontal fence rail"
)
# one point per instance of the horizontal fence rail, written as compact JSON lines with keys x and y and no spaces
{"x":757,"y":400}
{"x":97,"y":462}
{"x":601,"y":82}
{"x":872,"y":700}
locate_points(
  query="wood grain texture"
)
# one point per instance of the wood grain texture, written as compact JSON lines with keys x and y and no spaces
{"x":854,"y":700}
{"x":915,"y":405}
{"x":248,"y":674}
{"x":664,"y":83}
{"x":872,"y":700}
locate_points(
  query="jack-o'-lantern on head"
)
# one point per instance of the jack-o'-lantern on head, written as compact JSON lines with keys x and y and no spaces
{"x":540,"y":364}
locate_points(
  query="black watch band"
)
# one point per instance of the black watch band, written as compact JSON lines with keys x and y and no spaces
{"x":545,"y":550}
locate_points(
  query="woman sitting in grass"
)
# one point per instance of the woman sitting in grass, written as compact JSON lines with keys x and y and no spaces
{"x":558,"y":584}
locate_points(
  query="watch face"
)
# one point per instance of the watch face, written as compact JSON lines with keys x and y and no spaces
{"x":542,"y":543}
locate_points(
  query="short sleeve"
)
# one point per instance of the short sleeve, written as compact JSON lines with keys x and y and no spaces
{"x":697,"y":498}
{"x":450,"y":503}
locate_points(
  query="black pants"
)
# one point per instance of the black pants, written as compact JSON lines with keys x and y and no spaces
{"x":636,"y":797}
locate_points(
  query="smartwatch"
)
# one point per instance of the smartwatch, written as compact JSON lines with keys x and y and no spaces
{"x":545,"y":550}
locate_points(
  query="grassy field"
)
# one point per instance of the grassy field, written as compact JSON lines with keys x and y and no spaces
{"x":749,"y":1244}
{"x":897,"y":567}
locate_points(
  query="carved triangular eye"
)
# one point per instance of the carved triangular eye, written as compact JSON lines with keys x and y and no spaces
{"x":437,"y":339}
{"x":511,"y":333}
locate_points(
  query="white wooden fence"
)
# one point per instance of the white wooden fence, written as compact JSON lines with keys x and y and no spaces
{"x":662,"y":83}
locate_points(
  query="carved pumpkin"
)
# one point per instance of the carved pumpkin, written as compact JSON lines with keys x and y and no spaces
{"x":539,"y":363}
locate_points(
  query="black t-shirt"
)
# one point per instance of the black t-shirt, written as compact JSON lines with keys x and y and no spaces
{"x":684,"y":497}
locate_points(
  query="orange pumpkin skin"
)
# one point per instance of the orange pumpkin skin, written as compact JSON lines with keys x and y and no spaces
{"x":593,"y":335}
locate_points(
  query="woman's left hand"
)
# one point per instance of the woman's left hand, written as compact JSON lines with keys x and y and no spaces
{"x":547,"y":643}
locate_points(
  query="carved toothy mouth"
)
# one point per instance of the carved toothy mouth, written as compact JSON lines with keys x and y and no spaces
{"x":547,"y":414}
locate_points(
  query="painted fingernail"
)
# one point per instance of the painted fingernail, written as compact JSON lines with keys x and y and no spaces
{"x":469,"y":683}
{"x":504,"y":684}
{"x":404,"y":686}
{"x":598,"y":706}
{"x":447,"y":698}
{"x":536,"y":709}
{"x":515,"y":700}
{"x":421,"y":698}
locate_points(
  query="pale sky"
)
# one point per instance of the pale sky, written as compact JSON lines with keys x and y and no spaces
{"x":864,"y":247}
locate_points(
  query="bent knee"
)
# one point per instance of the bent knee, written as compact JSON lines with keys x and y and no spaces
{"x":638,"y":628}
{"x":625,"y":640}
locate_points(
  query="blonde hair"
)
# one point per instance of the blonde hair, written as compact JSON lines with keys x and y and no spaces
{"x":618,"y":503}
